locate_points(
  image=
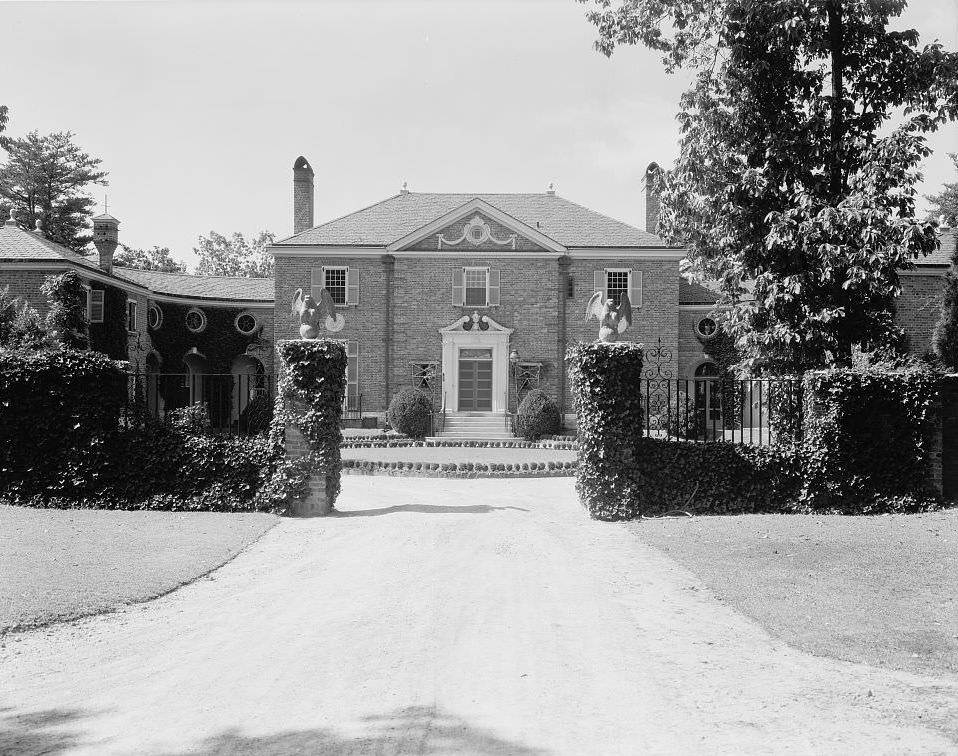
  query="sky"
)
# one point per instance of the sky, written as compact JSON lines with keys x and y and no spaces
{"x":198,"y":110}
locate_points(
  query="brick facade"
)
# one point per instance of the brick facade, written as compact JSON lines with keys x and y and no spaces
{"x":533,"y":302}
{"x":25,"y":284}
{"x":919,"y":307}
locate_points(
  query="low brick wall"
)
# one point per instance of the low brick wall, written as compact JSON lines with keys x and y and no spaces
{"x":316,"y":503}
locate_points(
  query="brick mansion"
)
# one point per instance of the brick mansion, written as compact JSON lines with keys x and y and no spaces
{"x":472,"y":298}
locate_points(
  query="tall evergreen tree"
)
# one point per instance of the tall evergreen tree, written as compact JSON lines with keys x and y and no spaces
{"x":795,"y":181}
{"x":46,"y":178}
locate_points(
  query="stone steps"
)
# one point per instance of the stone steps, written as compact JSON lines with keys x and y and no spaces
{"x":475,"y":426}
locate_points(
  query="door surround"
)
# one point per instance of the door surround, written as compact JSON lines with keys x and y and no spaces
{"x":475,"y":332}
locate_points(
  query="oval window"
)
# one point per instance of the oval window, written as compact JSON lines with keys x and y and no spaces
{"x":245,"y":324}
{"x":195,"y":320}
{"x":706,"y":328}
{"x":155,"y":317}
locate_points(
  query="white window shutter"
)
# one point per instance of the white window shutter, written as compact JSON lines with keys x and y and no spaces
{"x":493,"y":288}
{"x":352,"y":374}
{"x":352,"y":286}
{"x":635,"y":287}
{"x":458,"y":287}
{"x":599,"y":282}
{"x":316,"y":282}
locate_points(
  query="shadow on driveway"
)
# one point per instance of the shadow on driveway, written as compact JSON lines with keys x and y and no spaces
{"x":412,"y":731}
{"x":424,"y":509}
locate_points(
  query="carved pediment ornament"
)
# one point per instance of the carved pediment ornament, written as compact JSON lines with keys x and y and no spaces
{"x":477,"y":232}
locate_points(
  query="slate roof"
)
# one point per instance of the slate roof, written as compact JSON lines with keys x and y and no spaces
{"x":942,"y":255}
{"x":200,"y":287}
{"x":691,"y":292}
{"x":565,"y":222}
{"x":16,"y":243}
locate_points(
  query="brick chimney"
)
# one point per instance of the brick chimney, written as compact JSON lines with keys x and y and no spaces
{"x":302,"y":195}
{"x":105,"y":239}
{"x":651,"y":197}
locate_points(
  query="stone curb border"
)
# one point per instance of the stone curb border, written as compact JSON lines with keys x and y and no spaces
{"x":459,"y":469}
{"x":409,"y":442}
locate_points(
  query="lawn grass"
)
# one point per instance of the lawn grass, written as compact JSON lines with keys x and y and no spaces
{"x":458,"y":454}
{"x":878,"y":590}
{"x":62,"y":564}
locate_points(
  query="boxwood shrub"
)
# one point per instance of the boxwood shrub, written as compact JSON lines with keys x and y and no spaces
{"x":409,"y":413}
{"x":537,"y":416}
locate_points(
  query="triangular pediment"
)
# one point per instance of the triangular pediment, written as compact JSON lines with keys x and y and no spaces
{"x":476,"y":226}
{"x":475,"y":322}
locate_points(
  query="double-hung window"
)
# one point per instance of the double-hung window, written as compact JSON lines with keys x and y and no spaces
{"x":130,"y":315}
{"x":614,"y":281}
{"x":475,"y":287}
{"x":342,"y":283}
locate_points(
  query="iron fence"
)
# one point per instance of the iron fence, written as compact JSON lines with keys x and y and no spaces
{"x":751,"y":411}
{"x":236,"y":404}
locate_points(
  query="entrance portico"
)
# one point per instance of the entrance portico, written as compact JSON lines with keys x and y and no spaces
{"x":475,"y":365}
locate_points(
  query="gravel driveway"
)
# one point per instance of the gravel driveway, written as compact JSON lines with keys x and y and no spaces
{"x":437,"y":617}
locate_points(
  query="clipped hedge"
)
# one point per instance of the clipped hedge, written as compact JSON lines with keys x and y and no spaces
{"x":865,"y":447}
{"x":605,"y":380}
{"x":309,"y":396}
{"x":710,"y":478}
{"x":409,"y":413}
{"x":161,"y":468}
{"x":537,"y":416}
{"x":59,"y":413}
{"x":868,"y":436}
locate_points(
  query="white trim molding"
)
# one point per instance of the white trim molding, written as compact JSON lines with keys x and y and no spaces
{"x":457,"y":336}
{"x":634,"y":253}
{"x":472,"y":207}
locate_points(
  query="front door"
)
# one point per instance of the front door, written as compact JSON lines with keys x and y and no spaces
{"x":475,"y":380}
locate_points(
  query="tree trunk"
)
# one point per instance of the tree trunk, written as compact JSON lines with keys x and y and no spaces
{"x":836,"y":41}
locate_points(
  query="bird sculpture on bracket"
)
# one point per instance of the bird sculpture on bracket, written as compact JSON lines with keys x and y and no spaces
{"x":613,"y":319}
{"x":312,"y":314}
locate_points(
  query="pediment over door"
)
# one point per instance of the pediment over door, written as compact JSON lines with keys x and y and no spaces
{"x":475,"y":227}
{"x":476,"y":324}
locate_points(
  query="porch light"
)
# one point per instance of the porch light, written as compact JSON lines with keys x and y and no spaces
{"x":514,"y":357}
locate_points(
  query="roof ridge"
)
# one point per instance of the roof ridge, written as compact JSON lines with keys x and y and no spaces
{"x":333,"y":220}
{"x":193,"y":275}
{"x":610,"y":218}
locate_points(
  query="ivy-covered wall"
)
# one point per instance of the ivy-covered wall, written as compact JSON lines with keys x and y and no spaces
{"x":220,"y":343}
{"x":109,"y":337}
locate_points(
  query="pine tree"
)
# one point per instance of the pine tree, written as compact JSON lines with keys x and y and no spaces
{"x":46,"y":178}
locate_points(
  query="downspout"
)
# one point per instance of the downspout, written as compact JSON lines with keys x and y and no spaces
{"x":389,"y":264}
{"x":563,"y":263}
